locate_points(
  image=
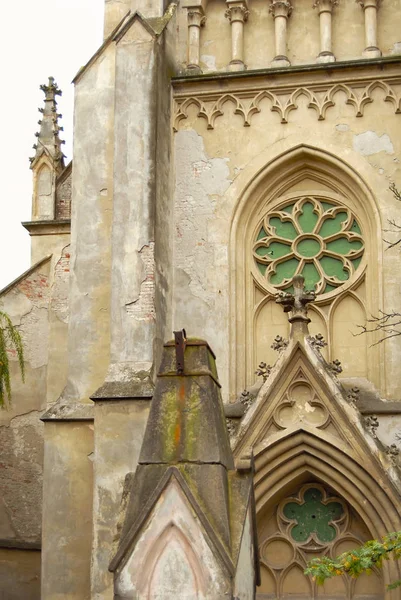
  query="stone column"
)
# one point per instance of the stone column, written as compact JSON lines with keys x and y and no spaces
{"x":325,"y":8}
{"x":196,"y":20}
{"x":281,"y":10}
{"x":370,"y":8}
{"x":237,"y":13}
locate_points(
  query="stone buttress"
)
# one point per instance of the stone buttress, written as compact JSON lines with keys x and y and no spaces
{"x":188,"y":528}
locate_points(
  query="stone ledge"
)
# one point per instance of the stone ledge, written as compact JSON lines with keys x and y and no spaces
{"x":72,"y":411}
{"x":20,"y":545}
{"x":50,"y":227}
{"x":124,"y":390}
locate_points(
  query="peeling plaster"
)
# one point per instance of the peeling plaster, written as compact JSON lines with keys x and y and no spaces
{"x":369,"y":143}
{"x":143,"y":308}
{"x":200,"y":181}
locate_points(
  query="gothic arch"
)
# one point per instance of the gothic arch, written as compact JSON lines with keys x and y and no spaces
{"x":309,"y":170}
{"x":296,"y":457}
{"x":172,"y":534}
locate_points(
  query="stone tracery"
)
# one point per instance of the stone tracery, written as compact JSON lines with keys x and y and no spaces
{"x":313,"y":237}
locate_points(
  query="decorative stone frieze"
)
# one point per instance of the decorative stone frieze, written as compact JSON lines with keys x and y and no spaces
{"x":325,"y":9}
{"x":320,"y":97}
{"x":237,"y":12}
{"x":196,"y":20}
{"x":281,"y":10}
{"x":370,"y":8}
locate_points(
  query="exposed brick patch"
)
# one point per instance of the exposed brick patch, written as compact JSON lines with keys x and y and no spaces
{"x":36,"y":288}
{"x":60,"y":288}
{"x":143,"y":308}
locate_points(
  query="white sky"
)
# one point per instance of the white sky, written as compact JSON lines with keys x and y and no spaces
{"x":39,"y":38}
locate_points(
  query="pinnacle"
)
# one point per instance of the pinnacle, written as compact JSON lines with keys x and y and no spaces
{"x":48,"y":139}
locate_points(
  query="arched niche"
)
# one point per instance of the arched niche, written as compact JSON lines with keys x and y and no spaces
{"x":346,"y":313}
{"x":171,"y":564}
{"x":296,"y":462}
{"x":301,"y":172}
{"x":43,"y":193}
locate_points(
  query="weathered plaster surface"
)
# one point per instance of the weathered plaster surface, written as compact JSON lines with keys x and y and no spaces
{"x":119,"y":428}
{"x":172,"y":559}
{"x":370,"y":142}
{"x":19,"y":574}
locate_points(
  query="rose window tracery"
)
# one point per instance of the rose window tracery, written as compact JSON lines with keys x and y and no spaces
{"x":312,"y":236}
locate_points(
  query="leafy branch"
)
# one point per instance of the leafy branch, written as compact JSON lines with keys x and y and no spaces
{"x":356,"y":562}
{"x":10,"y":341}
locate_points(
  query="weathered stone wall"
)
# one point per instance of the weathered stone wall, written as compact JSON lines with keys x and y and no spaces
{"x":38,"y":305}
{"x":219,"y":182}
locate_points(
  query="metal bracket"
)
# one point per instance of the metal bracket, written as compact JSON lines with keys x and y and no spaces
{"x":180,"y":345}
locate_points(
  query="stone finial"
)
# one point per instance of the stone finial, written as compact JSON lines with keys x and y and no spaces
{"x":279,"y":343}
{"x":263,"y":370}
{"x":372,"y":423}
{"x":297,"y":305}
{"x":49,"y":141}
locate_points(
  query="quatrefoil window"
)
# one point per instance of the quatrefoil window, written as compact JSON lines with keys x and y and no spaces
{"x":312,"y":516}
{"x":314,"y":237}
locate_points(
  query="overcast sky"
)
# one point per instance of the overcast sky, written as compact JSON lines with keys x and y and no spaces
{"x":39,"y":38}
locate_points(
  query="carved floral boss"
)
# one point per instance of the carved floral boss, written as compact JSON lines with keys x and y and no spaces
{"x":313,"y":237}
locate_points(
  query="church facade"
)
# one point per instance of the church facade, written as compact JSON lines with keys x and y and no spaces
{"x":228,"y":157}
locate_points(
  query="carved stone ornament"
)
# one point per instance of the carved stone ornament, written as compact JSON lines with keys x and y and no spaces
{"x":372,"y":423}
{"x":196,"y":18}
{"x":279,"y":343}
{"x":237,"y":12}
{"x":353,"y":396}
{"x":325,"y":4}
{"x":280,"y":8}
{"x":319,"y":97}
{"x":232,"y":425}
{"x":297,"y":302}
{"x":263,"y":370}
{"x":335,"y":367}
{"x":317,"y":341}
{"x":393,"y":453}
{"x":247,"y":400}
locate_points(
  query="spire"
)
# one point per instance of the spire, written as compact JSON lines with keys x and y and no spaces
{"x":49,"y":141}
{"x":297,"y":305}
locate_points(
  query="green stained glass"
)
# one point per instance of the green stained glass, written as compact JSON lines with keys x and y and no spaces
{"x":308,"y":218}
{"x":262,"y":234}
{"x":284,"y":270}
{"x":313,"y":517}
{"x":343,"y":246}
{"x":311,"y":274}
{"x":308,"y":248}
{"x":284,"y":229}
{"x":334,"y":267}
{"x":274,"y":249}
{"x":332,"y":224}
{"x":290,"y":241}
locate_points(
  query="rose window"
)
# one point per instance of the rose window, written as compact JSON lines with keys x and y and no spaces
{"x":314,"y":237}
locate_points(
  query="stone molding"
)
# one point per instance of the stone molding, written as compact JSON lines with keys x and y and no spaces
{"x":283,"y":99}
{"x":51,"y":227}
